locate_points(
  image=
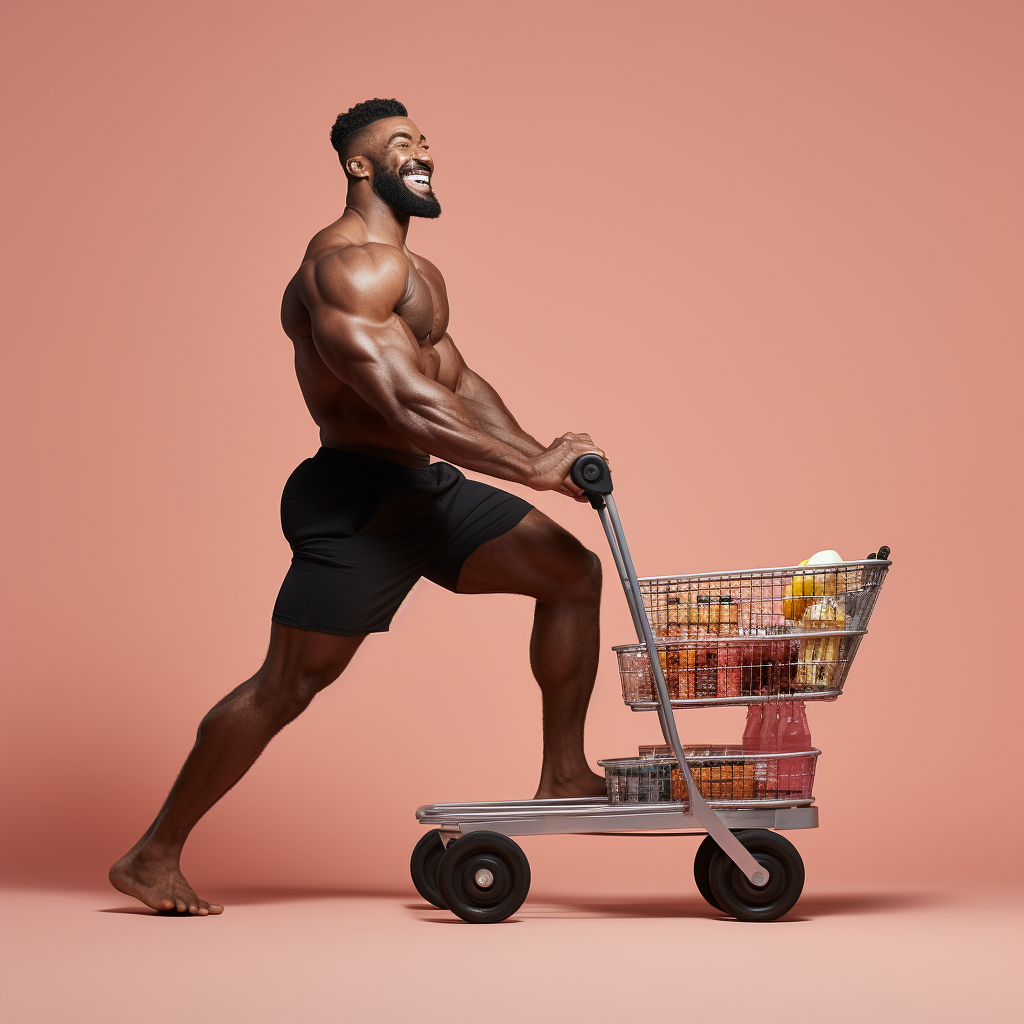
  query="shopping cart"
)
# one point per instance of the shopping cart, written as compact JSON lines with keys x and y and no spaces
{"x":750,"y":637}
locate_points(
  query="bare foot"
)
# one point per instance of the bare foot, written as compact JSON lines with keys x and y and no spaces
{"x":584,"y":784}
{"x":159,"y":884}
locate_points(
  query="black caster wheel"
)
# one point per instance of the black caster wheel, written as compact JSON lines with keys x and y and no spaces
{"x":484,"y":877}
{"x":426,"y":856}
{"x":702,"y":868}
{"x":747,"y":902}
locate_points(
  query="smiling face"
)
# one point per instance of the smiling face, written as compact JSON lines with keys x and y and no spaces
{"x":402,"y":168}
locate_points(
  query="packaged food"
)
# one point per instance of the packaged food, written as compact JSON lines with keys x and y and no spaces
{"x":817,"y":658}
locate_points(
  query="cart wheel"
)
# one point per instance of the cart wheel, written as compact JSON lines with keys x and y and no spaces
{"x":702,"y":868}
{"x":484,"y":877}
{"x":426,"y":856}
{"x":748,"y":902}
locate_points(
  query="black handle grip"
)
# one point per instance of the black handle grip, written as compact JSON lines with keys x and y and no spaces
{"x":590,"y":473}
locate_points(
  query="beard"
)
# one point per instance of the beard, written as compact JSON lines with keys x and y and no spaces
{"x":388,"y":185}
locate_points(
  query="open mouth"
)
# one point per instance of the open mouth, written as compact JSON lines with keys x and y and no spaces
{"x":417,"y":179}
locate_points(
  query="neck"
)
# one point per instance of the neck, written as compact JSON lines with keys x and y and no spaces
{"x":380,"y":222}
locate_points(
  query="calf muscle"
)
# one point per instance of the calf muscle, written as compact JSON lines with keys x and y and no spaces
{"x":539,"y":559}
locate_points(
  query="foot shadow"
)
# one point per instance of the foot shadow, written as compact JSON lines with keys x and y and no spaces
{"x":245,"y":896}
{"x":144,"y":911}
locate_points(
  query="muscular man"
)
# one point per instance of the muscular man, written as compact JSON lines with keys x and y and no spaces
{"x":370,"y":513}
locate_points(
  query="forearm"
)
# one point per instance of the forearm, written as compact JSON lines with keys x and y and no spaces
{"x":493,"y":416}
{"x":450,"y":428}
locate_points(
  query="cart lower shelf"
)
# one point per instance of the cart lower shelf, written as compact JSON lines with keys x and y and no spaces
{"x":589,"y":815}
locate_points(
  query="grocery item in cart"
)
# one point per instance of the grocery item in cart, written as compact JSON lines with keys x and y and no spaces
{"x":752,"y":729}
{"x":793,"y":736}
{"x":701,"y":614}
{"x":767,"y":768}
{"x":721,"y":773}
{"x":817,"y":657}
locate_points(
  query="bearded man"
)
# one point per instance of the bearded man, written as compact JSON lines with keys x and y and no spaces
{"x":369,"y":513}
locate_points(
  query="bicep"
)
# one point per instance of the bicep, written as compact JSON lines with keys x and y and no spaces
{"x":376,"y":357}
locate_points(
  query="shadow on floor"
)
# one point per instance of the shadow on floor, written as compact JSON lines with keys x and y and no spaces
{"x":256,"y":895}
{"x":544,"y":907}
{"x":808,"y":908}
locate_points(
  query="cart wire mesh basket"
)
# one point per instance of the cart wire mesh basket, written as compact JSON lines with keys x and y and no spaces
{"x":740,"y":670}
{"x":764,"y":602}
{"x":725,"y":776}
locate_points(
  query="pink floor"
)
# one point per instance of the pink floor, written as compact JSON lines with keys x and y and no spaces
{"x":80,"y":957}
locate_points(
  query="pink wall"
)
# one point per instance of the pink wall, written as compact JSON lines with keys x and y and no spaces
{"x":763,"y":252}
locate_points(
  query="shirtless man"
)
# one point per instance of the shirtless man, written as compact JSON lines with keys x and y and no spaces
{"x":369,"y":514}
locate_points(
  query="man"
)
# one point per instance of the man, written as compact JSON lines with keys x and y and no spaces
{"x":369,"y":514}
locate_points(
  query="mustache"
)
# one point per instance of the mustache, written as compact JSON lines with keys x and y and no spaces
{"x":414,"y":166}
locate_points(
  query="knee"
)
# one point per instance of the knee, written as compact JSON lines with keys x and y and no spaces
{"x":287,"y":694}
{"x":582,"y":581}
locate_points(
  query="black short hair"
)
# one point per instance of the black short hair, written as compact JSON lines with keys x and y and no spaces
{"x":360,"y":116}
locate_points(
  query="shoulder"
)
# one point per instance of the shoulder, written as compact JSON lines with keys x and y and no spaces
{"x":361,"y":278}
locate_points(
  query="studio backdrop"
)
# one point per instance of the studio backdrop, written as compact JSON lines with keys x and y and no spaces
{"x":762,"y":252}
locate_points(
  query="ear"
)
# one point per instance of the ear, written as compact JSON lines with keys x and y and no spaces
{"x":357,"y":167}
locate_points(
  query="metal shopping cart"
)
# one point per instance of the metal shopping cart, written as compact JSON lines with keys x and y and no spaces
{"x":763,"y":636}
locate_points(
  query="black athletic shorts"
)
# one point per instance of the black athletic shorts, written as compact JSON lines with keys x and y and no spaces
{"x":363,"y":529}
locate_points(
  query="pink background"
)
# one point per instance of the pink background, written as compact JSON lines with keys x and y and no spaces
{"x":764,"y":253}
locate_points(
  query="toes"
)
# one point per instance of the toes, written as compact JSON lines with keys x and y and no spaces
{"x":216,"y":908}
{"x":193,"y":908}
{"x":165,"y":905}
{"x":203,"y":911}
{"x":180,"y":906}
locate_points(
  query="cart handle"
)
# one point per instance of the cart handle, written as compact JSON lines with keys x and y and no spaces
{"x":591,"y":474}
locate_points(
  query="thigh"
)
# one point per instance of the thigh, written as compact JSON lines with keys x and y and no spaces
{"x":537,"y":558}
{"x":296,"y":652}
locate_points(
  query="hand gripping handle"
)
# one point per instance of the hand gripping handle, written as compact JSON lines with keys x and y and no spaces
{"x":590,"y":473}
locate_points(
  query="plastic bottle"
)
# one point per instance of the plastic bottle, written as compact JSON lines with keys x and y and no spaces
{"x":807,"y":781}
{"x":794,"y":734}
{"x":766,"y":771}
{"x":752,"y":731}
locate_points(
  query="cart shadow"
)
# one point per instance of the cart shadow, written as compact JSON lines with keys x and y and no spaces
{"x":809,"y":908}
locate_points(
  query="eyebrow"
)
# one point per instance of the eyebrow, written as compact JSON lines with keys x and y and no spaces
{"x":403,"y":134}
